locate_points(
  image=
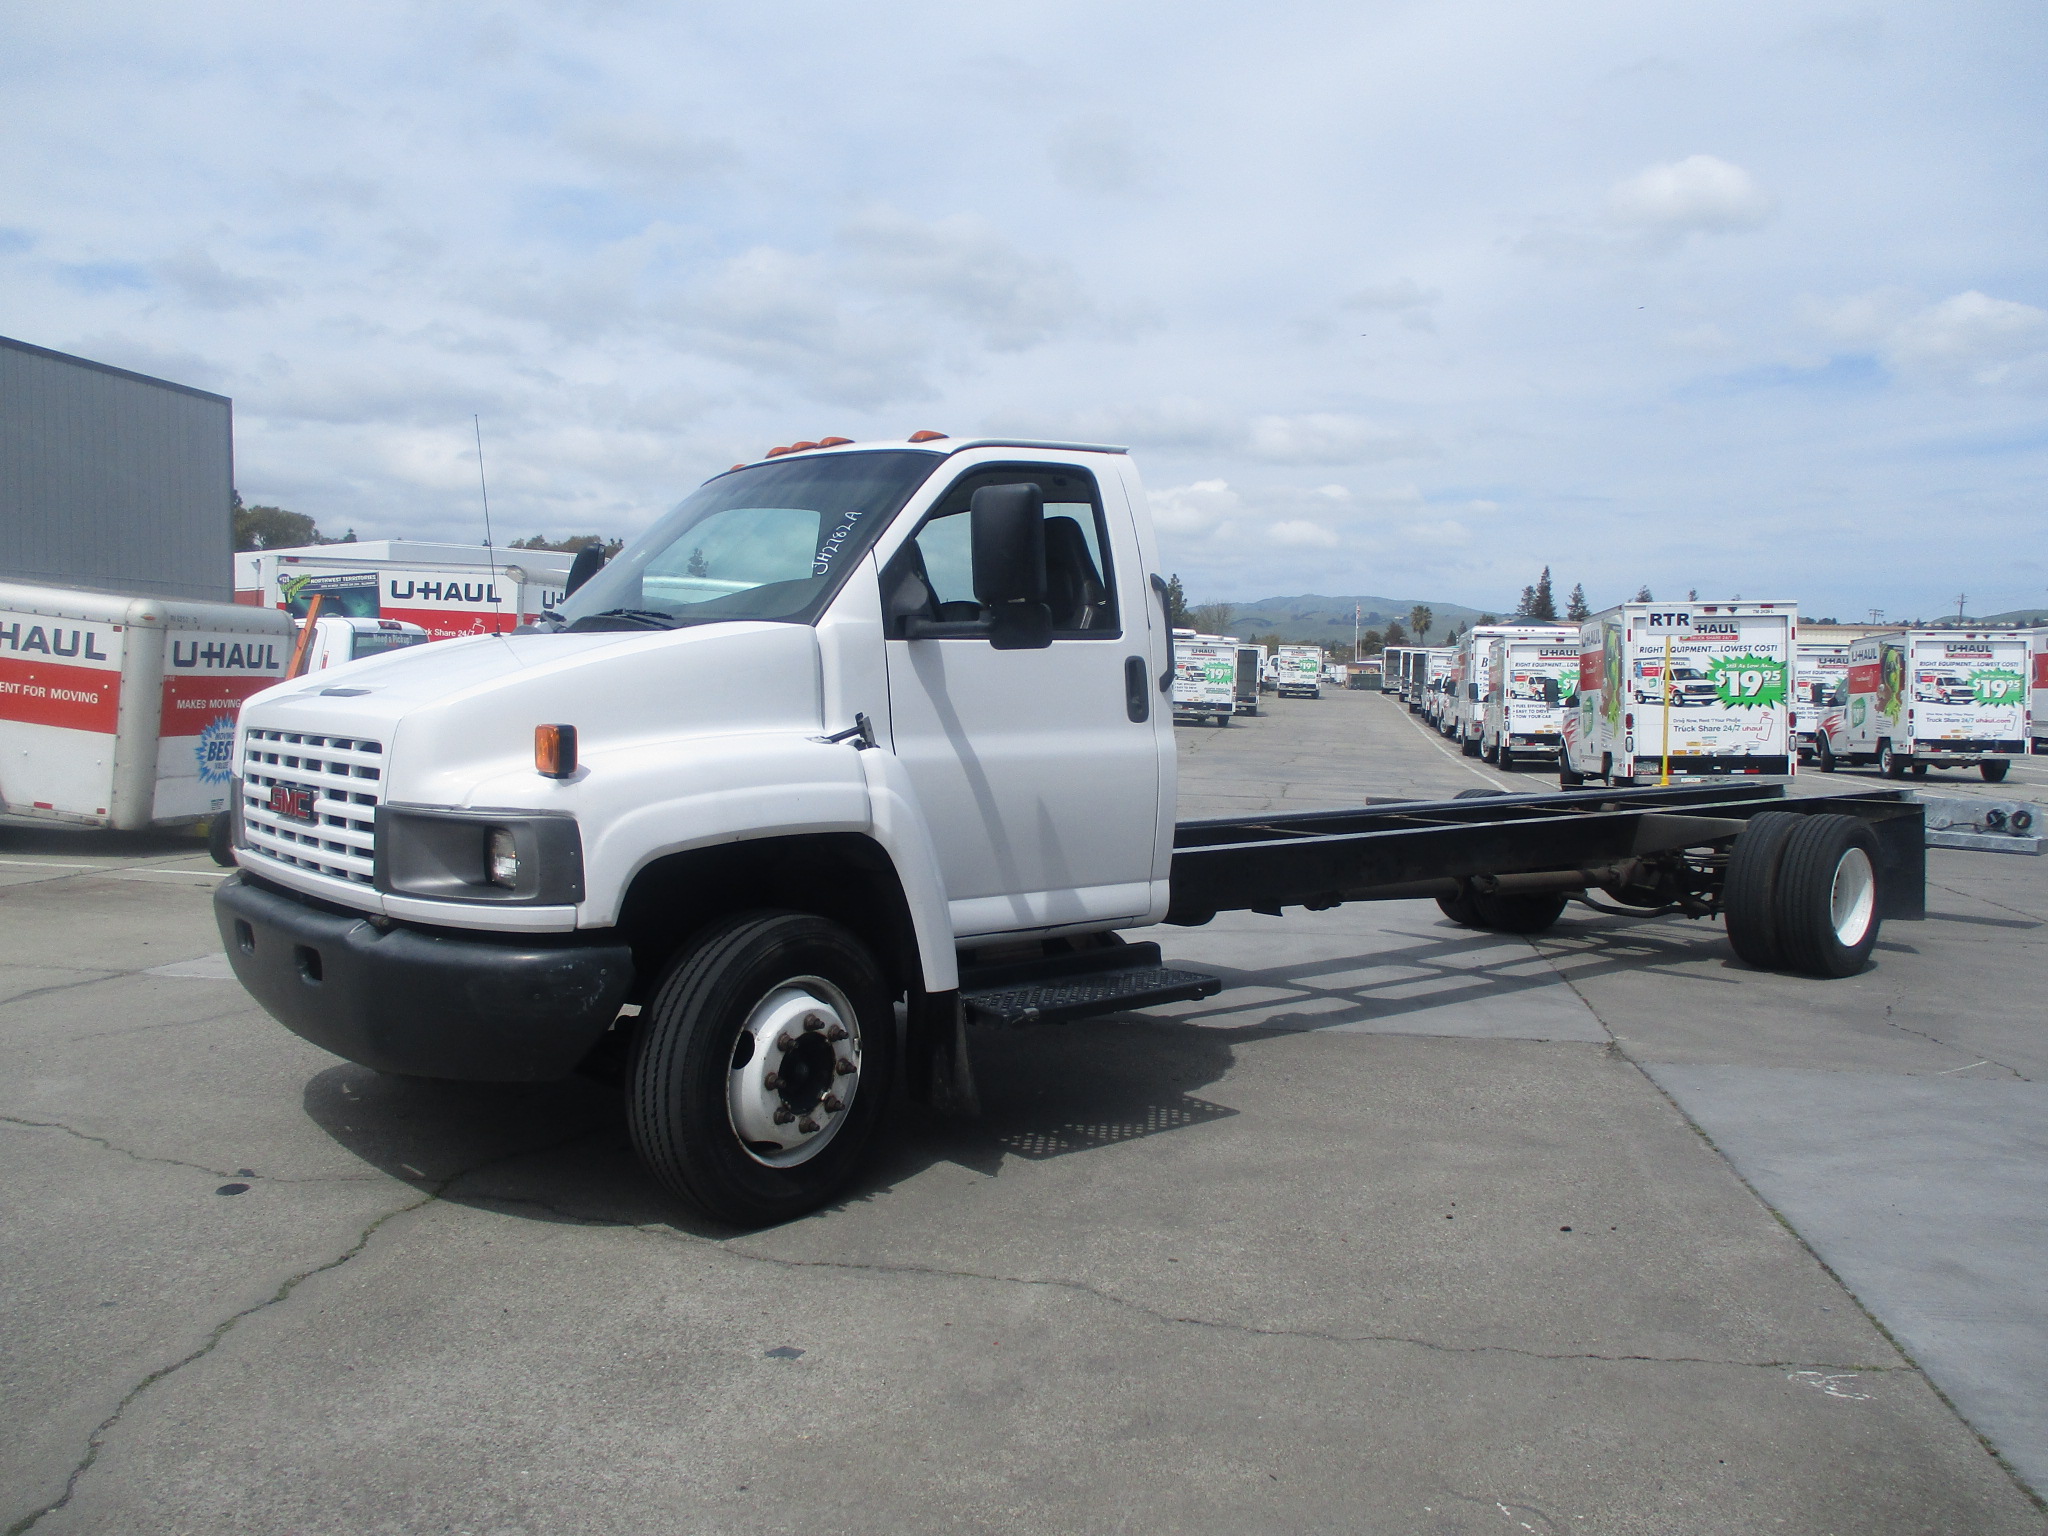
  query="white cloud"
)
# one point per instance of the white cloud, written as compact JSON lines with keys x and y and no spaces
{"x":1968,"y":339}
{"x":963,"y":267}
{"x":1190,"y":511}
{"x":1299,"y":533}
{"x":1330,"y":438}
{"x":1100,"y":154}
{"x":647,"y":153}
{"x":1701,"y":193}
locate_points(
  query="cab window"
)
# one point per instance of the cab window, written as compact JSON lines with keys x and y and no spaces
{"x":932,"y":576}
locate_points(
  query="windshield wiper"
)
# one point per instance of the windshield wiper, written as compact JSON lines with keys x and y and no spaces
{"x":648,"y":618}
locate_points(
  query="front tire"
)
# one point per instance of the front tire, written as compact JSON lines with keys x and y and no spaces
{"x":763,"y":1066}
{"x":1823,"y":754}
{"x":1994,"y":772}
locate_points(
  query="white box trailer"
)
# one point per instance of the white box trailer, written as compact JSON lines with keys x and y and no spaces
{"x":1438,"y":662}
{"x":449,"y":590}
{"x":1251,"y":673}
{"x":1472,"y":676}
{"x":120,"y":711}
{"x":1702,"y":687}
{"x":1298,"y":671}
{"x":1392,"y":658}
{"x":1528,"y":677}
{"x":1819,"y":669}
{"x":2037,"y":697}
{"x":1932,"y":698}
{"x":1204,"y":678}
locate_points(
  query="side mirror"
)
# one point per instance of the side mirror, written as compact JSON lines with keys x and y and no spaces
{"x":588,"y":562}
{"x":1007,"y":530}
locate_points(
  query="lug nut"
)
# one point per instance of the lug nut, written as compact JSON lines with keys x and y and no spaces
{"x":844,"y":1068}
{"x":785,"y":1041}
{"x":812,"y":1021}
{"x":784,"y":1114}
{"x":836,"y":1033}
{"x":833,"y":1103}
{"x":807,"y":1125}
{"x":771,"y":1080}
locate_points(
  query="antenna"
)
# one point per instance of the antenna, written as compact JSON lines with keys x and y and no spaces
{"x":490,"y":551}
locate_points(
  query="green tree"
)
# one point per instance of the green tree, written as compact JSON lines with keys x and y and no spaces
{"x":1395,"y":635}
{"x":1372,"y":643}
{"x":1544,"y":607}
{"x":1211,"y":618}
{"x":272,"y":528}
{"x":1575,"y":607}
{"x":1643,"y":595}
{"x":1420,"y":619}
{"x":570,"y":545}
{"x":1176,"y":604}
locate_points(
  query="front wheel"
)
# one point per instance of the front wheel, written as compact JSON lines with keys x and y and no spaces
{"x":1994,"y":772}
{"x":761,"y":1071}
{"x":1823,"y":754}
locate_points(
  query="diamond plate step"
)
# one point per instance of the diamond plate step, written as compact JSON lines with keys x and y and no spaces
{"x":1057,"y":1000}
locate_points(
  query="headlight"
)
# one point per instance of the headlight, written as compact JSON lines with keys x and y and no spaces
{"x":501,"y":858}
{"x":504,"y":857}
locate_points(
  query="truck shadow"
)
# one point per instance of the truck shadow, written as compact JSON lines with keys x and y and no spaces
{"x":559,"y":1152}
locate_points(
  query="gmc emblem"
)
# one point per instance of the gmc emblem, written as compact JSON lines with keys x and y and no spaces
{"x":291,"y":800}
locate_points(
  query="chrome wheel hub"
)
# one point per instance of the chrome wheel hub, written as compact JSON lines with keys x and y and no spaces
{"x":1853,"y":900}
{"x":795,"y":1070}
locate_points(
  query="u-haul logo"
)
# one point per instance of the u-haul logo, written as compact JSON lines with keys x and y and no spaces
{"x":1979,"y":652}
{"x":55,"y":640}
{"x":1717,"y":627}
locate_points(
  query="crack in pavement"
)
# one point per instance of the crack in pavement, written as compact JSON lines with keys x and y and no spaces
{"x":2032,"y":917}
{"x":97,"y":1439}
{"x":173,"y":1162}
{"x":1324,"y":1336}
{"x":64,"y":986}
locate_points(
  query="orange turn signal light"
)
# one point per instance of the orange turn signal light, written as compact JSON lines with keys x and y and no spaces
{"x":554,"y":750}
{"x":926,"y":437}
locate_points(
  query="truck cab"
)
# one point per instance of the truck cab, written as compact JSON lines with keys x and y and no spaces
{"x":340,"y":640}
{"x":896,"y":706}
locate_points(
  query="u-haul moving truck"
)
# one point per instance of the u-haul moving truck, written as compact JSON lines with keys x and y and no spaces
{"x":1204,"y":677}
{"x":1722,"y":706}
{"x":1819,"y":669}
{"x":120,"y":711}
{"x":2037,"y":698}
{"x":1940,"y":698}
{"x":1528,"y":676}
{"x":1298,"y":672}
{"x":1473,"y":676}
{"x":1438,"y":664}
{"x":1251,"y":672}
{"x":449,"y":590}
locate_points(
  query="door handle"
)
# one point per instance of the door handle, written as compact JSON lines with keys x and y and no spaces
{"x":1137,"y":689}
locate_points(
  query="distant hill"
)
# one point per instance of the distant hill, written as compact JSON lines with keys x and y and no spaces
{"x":1316,"y":620}
{"x":2015,"y":616}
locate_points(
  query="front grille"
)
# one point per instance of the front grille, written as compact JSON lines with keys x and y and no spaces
{"x":345,"y":774}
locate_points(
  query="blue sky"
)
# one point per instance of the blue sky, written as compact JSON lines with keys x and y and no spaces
{"x":1402,"y":298}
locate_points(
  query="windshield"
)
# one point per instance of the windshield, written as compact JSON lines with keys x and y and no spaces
{"x":767,"y":542}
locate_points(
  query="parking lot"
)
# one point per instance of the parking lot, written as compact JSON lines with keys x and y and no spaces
{"x":1411,"y":1229}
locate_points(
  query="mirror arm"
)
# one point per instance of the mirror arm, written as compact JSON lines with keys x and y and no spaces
{"x":918,"y":628}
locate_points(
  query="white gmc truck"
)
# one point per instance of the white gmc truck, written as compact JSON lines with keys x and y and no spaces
{"x":857,"y":746}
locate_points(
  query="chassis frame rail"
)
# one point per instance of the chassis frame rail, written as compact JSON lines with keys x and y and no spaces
{"x":1401,"y":849}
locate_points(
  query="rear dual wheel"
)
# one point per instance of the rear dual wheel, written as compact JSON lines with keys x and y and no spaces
{"x":761,"y":1071}
{"x":1801,"y":893}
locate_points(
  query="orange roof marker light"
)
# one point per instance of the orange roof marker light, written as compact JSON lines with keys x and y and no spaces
{"x":801,"y":447}
{"x":776,"y":453}
{"x":834,"y":442}
{"x":926,"y":437}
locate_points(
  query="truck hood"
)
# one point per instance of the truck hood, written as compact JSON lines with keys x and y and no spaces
{"x":457,"y":713}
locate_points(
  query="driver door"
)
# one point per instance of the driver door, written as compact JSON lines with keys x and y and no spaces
{"x":1040,"y":788}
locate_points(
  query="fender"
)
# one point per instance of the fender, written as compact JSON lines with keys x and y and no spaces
{"x":899,"y":826}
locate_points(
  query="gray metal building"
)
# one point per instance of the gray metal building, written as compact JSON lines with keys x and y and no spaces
{"x":113,"y":480}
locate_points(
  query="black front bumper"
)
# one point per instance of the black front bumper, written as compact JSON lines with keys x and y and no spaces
{"x":428,"y":1002}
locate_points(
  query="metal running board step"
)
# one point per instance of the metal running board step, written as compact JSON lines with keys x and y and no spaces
{"x":1065,"y":987}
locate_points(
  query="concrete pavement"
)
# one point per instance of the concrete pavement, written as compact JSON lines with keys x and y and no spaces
{"x":1391,"y":1236}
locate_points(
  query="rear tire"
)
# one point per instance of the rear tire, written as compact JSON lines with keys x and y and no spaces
{"x":703,"y":1122}
{"x":1469,"y":746}
{"x":1888,"y":762}
{"x":1994,"y":773}
{"x":1823,"y":754}
{"x":1749,"y":892}
{"x":1567,"y":777}
{"x":1827,"y":896}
